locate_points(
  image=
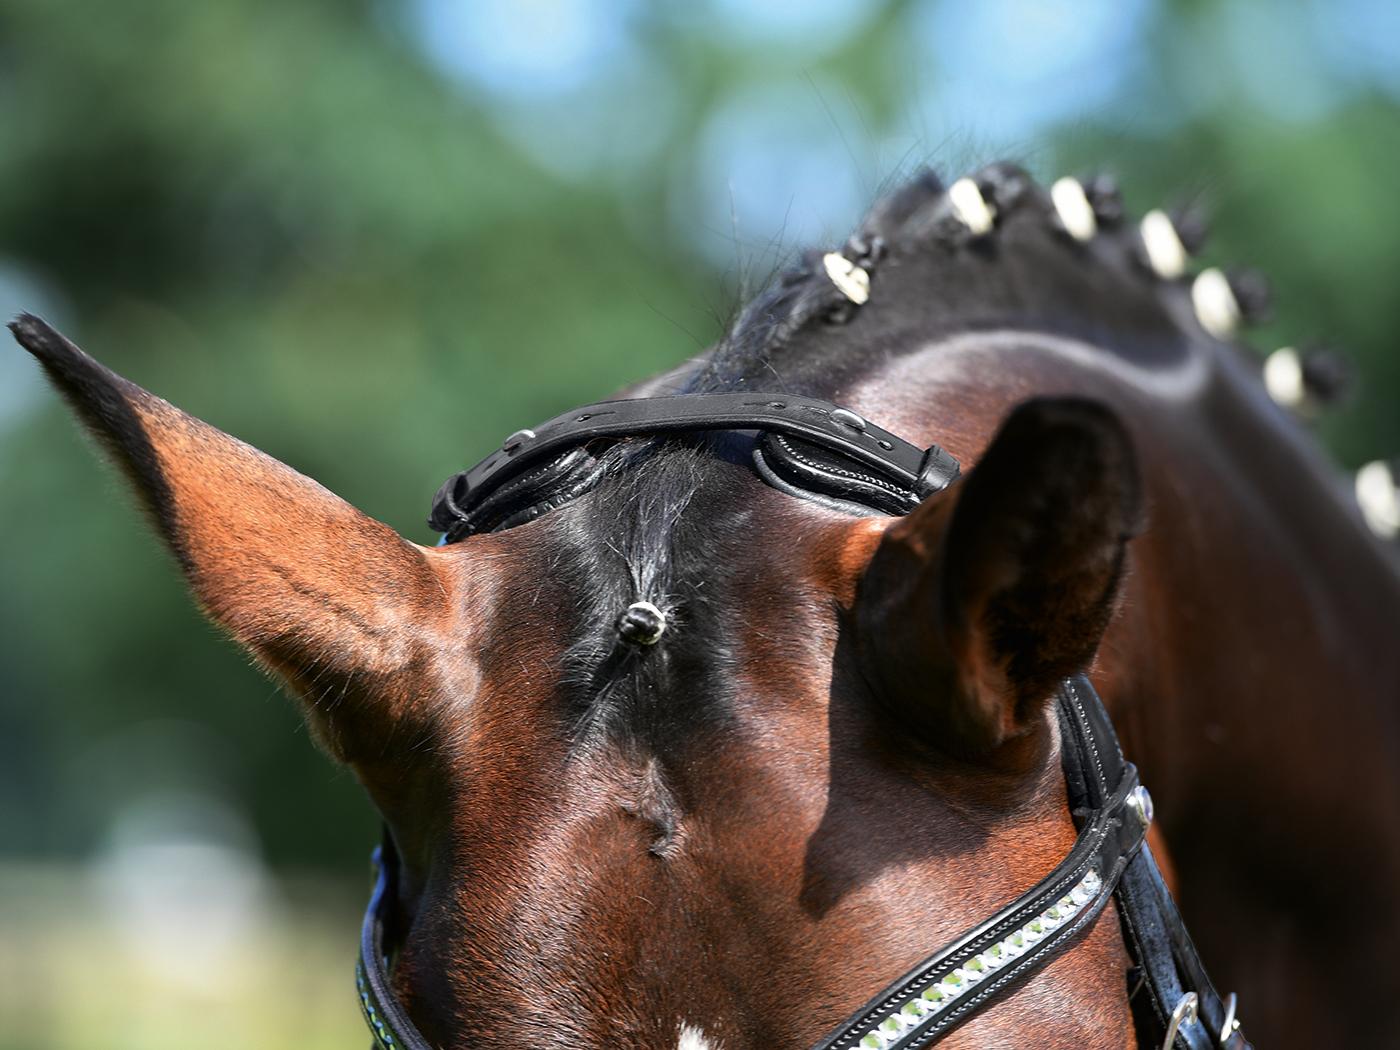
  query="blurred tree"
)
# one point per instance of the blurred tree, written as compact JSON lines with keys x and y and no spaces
{"x":371,"y":238}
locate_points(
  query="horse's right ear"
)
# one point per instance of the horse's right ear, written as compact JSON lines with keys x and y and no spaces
{"x":978,"y":603}
{"x":335,"y":603}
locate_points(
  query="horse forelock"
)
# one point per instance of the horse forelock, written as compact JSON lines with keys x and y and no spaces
{"x":655,"y":530}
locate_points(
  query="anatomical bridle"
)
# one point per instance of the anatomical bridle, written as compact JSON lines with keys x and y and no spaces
{"x":815,"y":450}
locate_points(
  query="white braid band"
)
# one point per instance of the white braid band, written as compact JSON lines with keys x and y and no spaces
{"x":1216,"y":306}
{"x":1073,"y":207}
{"x":1283,"y":378}
{"x":657,"y":615}
{"x":1165,"y":253}
{"x":971,"y":208}
{"x":853,"y":282}
{"x":1379,"y":497}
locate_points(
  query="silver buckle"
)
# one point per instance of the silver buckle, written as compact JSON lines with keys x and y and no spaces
{"x":1232,"y":1023}
{"x":1184,"y":1013}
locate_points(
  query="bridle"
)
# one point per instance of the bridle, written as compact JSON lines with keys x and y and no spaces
{"x":815,"y":450}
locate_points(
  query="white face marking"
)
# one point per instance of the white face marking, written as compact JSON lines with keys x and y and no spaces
{"x":694,"y":1039}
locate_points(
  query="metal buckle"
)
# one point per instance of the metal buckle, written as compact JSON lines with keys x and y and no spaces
{"x":1184,"y":1013}
{"x":1232,"y":1023}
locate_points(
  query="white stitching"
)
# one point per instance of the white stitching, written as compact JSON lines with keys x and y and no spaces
{"x":962,"y":1009}
{"x":815,"y":465}
{"x":1083,"y":719}
{"x":1015,"y":919}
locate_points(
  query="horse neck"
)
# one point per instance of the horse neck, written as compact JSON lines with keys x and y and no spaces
{"x":1259,"y":596}
{"x":1258,"y":638}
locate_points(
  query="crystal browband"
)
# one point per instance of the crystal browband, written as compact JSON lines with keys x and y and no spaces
{"x":942,"y":994}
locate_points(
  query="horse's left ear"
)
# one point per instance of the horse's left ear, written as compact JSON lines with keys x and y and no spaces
{"x":979,"y":602}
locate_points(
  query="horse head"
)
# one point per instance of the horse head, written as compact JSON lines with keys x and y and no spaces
{"x":676,"y":758}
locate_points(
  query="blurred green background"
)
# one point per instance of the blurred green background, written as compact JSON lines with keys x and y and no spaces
{"x":371,"y":238}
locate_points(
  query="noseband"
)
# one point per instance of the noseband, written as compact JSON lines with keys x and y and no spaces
{"x":814,"y":450}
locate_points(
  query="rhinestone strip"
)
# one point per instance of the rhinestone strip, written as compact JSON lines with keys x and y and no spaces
{"x":383,"y":1037}
{"x":938,"y":996}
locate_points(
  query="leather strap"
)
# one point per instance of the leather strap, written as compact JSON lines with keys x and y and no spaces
{"x":895,"y":462}
{"x":809,"y":471}
{"x":1166,"y":963}
{"x":1106,"y":843}
{"x":390,"y":1027}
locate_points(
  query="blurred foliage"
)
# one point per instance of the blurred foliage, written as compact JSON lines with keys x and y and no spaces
{"x":74,"y":980}
{"x":304,"y":224}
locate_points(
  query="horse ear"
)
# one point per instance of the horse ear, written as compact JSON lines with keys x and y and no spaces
{"x":332,"y":601}
{"x":985,"y":597}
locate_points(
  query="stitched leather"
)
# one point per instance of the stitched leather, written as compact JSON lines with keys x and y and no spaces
{"x":863,"y":446}
{"x":1153,"y":929}
{"x":780,"y":483}
{"x":1105,"y":844}
{"x":813,"y":470}
{"x":524,"y":496}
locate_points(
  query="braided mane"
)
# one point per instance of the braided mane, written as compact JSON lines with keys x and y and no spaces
{"x":924,"y":216}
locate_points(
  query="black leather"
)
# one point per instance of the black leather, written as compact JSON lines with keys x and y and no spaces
{"x":1109,"y":839}
{"x":389,"y":1026}
{"x":811,"y":469}
{"x":525,"y":495}
{"x":847,"y":441}
{"x":1166,"y":963}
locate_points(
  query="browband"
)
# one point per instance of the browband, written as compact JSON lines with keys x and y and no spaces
{"x":831,"y":451}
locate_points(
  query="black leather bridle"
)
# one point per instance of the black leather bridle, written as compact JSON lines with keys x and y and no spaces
{"x":816,"y":450}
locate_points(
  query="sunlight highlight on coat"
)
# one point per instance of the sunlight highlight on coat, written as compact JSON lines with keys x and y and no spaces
{"x":955,"y":355}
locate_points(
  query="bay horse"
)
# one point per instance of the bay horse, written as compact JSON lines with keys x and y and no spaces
{"x":673,"y":752}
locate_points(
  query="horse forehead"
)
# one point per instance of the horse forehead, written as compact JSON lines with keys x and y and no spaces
{"x":728,"y":569}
